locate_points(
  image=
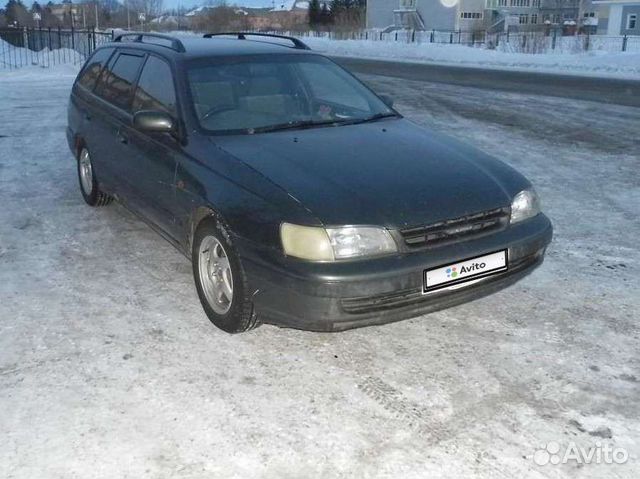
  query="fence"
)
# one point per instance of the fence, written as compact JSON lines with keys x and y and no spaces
{"x":555,"y":42}
{"x":46,"y":47}
{"x":20,"y":47}
{"x":459,"y":37}
{"x":552,"y":41}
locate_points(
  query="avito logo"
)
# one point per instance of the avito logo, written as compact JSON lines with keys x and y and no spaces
{"x":473,"y":267}
{"x":454,"y":273}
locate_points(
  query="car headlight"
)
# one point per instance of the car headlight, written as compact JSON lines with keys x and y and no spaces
{"x":330,"y":244}
{"x":525,"y":204}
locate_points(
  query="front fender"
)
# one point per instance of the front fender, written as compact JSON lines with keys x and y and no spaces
{"x":251,"y":205}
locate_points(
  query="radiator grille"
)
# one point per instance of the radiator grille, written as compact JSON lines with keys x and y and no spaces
{"x":465,"y":227}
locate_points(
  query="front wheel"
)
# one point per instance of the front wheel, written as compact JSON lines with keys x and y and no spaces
{"x":220,"y":279}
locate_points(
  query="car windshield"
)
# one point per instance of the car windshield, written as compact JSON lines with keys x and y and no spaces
{"x":267,"y":93}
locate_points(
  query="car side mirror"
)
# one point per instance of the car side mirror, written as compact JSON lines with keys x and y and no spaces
{"x":387,"y":100}
{"x":154,"y":121}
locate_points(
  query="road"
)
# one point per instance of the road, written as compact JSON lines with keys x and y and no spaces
{"x":109,"y":368}
{"x":622,"y":92}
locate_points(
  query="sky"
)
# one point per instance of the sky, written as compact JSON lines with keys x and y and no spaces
{"x":197,"y":3}
{"x":183,"y":3}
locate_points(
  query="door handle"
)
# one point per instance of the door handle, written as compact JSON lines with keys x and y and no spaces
{"x":121,"y":137}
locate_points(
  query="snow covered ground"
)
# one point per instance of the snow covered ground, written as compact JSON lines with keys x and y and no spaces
{"x":110,"y":369}
{"x":593,"y":63}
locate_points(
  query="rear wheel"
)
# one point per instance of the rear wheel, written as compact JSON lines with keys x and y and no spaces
{"x":220,"y":279}
{"x":89,"y":186}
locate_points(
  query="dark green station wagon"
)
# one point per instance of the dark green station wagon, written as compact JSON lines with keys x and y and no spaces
{"x":302,"y":198}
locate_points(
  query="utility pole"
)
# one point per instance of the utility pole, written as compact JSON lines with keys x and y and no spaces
{"x":128,"y":15}
{"x":97,"y":23}
{"x":366,"y":14}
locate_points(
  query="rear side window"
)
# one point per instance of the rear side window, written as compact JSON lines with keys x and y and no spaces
{"x":92,"y":69}
{"x":155,"y":89}
{"x":116,"y":83}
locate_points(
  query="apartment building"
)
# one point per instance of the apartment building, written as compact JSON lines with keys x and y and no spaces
{"x":492,"y":15}
{"x":440,"y":15}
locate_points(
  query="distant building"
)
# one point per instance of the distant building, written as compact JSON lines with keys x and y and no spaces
{"x":171,"y":21}
{"x":196,"y":12}
{"x":227,"y":18}
{"x":288,"y":14}
{"x":260,"y":20}
{"x":64,"y":12}
{"x":490,"y":15}
{"x":391,"y":15}
{"x":527,"y":15}
{"x":282,"y":15}
{"x":618,"y":17}
{"x":443,"y":15}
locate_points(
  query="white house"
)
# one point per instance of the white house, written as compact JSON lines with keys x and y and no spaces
{"x":621,"y":17}
{"x":426,"y":14}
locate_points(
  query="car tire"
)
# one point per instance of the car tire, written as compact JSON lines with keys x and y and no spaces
{"x":89,"y":186}
{"x":220,"y":279}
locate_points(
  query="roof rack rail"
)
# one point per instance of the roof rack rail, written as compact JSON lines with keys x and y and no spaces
{"x":175,"y":43}
{"x":297,"y":43}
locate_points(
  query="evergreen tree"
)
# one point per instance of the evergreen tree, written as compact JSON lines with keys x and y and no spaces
{"x":325,"y":14}
{"x":16,"y":13}
{"x":348,"y":14}
{"x":314,"y":13}
{"x":337,"y":6}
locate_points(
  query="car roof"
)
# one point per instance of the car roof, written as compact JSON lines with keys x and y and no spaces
{"x":199,"y":47}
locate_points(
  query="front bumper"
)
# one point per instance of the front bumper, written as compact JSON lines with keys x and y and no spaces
{"x":339,"y":296}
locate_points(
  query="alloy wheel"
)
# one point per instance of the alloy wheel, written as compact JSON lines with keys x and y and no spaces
{"x":86,"y":172}
{"x":215,"y":274}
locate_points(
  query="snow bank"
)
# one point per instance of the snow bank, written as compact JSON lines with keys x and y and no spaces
{"x":12,"y":57}
{"x":593,"y":63}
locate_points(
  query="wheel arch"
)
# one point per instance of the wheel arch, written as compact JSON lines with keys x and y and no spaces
{"x":198,"y":215}
{"x":78,"y":144}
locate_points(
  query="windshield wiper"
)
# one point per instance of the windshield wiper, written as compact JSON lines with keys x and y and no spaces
{"x":376,"y":117}
{"x":300,"y":124}
{"x":295,"y":124}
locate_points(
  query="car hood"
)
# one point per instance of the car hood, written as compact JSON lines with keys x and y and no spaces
{"x":390,"y":173}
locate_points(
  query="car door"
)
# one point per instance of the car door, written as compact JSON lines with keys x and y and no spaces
{"x":112,"y":119}
{"x":83,"y":110}
{"x":154,"y":155}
